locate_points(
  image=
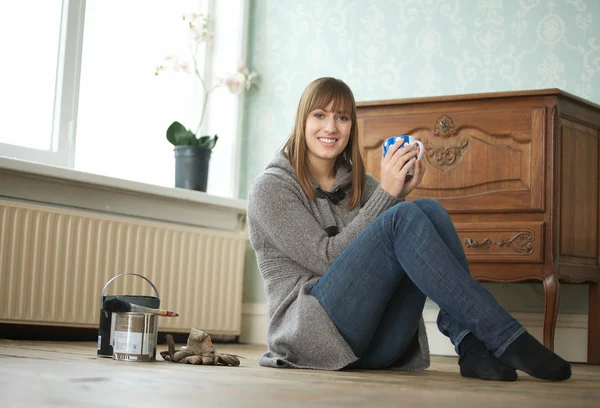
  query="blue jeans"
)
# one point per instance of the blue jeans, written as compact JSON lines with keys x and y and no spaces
{"x":375,"y":290}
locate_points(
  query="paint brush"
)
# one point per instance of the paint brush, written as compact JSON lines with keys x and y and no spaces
{"x":116,"y":305}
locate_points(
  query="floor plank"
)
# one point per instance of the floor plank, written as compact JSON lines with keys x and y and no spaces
{"x":69,"y":374}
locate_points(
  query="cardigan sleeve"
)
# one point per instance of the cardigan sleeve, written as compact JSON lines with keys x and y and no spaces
{"x":278,"y":213}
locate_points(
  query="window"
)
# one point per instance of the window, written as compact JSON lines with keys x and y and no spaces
{"x":109,"y":113}
{"x":124,"y":110}
{"x":38,"y":79}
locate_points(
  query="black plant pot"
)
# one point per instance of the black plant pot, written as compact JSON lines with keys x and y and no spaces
{"x":191,"y":167}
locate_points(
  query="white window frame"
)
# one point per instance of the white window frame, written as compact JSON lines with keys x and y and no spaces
{"x":243,"y":51}
{"x":222,"y":12}
{"x":64,"y":120}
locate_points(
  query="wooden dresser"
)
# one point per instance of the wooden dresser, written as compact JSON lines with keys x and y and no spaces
{"x":519,"y":174}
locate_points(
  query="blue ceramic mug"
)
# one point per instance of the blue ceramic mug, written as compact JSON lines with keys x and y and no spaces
{"x":406,"y":139}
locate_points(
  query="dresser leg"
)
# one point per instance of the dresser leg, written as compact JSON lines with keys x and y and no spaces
{"x":594,"y":325}
{"x":551,"y":309}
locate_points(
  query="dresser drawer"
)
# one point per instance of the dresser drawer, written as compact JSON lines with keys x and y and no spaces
{"x":502,"y":241}
{"x":477,"y":159}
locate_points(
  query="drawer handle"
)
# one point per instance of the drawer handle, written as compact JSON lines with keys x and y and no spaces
{"x":522,"y":242}
{"x":474,"y":244}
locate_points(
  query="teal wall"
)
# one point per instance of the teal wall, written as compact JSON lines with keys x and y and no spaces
{"x":387,"y":49}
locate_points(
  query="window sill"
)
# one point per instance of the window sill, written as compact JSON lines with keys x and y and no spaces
{"x":29,"y":181}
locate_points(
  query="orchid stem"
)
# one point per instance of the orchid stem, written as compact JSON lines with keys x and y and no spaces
{"x":204,"y":87}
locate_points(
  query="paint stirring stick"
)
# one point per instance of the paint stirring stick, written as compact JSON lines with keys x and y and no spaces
{"x":116,"y":305}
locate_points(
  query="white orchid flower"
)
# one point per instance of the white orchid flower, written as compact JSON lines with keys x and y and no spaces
{"x":242,"y":80}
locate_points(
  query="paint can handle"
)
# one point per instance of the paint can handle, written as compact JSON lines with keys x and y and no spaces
{"x":124,"y":274}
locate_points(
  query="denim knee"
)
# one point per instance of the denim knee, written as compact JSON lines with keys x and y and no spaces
{"x":403,"y":212}
{"x":429,"y":205}
{"x":402,"y":218}
{"x":406,"y":209}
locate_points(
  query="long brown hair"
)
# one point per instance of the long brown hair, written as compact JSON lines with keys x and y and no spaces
{"x":317,"y":95}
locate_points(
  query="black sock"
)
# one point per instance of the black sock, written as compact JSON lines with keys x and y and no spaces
{"x":529,"y":355}
{"x":476,"y":361}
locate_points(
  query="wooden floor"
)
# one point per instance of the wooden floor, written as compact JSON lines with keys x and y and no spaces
{"x":64,"y":374}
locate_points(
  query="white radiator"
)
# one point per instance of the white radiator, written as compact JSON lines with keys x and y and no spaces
{"x":55,"y":261}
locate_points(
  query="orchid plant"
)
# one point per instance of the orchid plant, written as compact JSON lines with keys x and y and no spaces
{"x":242,"y":80}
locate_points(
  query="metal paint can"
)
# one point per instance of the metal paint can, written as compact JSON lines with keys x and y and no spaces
{"x":135,"y":337}
{"x":106,"y":328}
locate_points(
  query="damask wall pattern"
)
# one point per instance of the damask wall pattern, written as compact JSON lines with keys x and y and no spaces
{"x":388,"y":49}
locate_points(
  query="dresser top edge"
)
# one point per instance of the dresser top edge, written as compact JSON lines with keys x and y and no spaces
{"x":475,"y":96}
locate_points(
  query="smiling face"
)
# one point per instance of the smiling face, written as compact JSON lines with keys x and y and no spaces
{"x":324,"y":136}
{"x":327,"y":135}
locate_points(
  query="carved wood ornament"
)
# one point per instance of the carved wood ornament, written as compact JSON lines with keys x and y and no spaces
{"x":441,"y":155}
{"x":445,"y":155}
{"x":521,"y":243}
{"x":444,"y":126}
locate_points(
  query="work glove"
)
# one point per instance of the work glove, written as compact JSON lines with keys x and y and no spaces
{"x":199,"y":350}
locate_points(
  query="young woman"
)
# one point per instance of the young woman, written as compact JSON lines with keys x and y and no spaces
{"x":348,"y":263}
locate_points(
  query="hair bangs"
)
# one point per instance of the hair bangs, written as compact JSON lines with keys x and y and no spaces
{"x":335,"y":92}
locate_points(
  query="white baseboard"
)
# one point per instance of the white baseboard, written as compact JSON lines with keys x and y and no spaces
{"x":570,"y":340}
{"x":254,"y":323}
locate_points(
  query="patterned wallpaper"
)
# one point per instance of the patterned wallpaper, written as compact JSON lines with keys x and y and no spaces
{"x":387,"y":49}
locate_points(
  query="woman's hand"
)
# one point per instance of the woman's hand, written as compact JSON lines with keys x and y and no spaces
{"x":416,"y":179}
{"x":394,"y":169}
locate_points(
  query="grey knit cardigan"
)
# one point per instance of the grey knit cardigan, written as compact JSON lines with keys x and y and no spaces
{"x":287,"y":232}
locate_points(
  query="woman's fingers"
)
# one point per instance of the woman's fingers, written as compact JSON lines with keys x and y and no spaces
{"x":419,"y":171}
{"x":416,"y":179}
{"x":393,"y":149}
{"x":404,"y":170}
{"x":400,"y":156}
{"x":405,"y":160}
